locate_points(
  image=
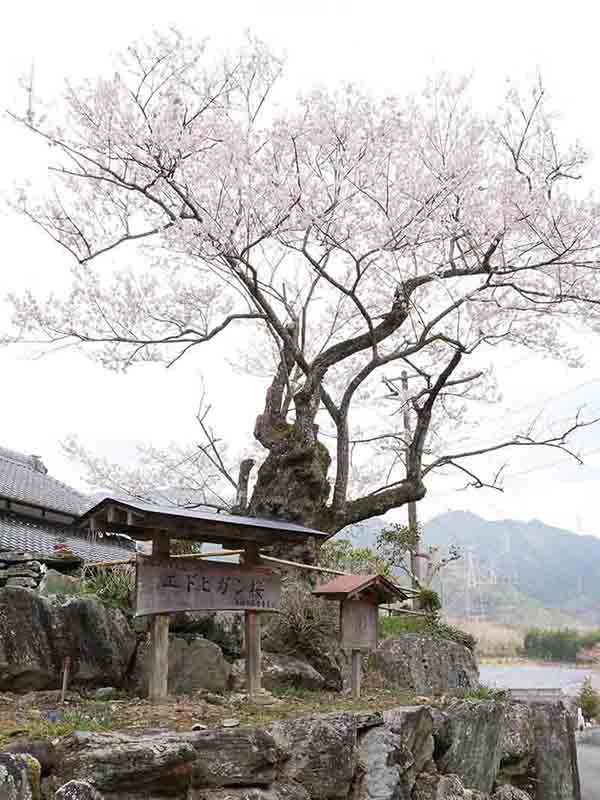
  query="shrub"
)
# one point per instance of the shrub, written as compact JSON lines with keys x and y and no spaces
{"x":553,"y":645}
{"x":429,"y":600}
{"x":588,"y":700}
{"x":304,"y":620}
{"x":486,"y":693}
{"x":430,"y":624}
{"x":114,"y":587}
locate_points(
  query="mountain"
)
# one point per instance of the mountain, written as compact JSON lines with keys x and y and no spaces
{"x":519,"y":573}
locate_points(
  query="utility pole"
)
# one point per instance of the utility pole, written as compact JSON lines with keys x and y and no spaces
{"x":415,"y":564}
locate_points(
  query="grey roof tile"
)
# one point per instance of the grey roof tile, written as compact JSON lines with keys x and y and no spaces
{"x":199,"y":514}
{"x":24,"y":478}
{"x":26,"y":535}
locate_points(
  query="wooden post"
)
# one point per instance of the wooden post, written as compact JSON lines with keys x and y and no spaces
{"x":252,"y":635}
{"x":355,"y":675}
{"x":65,"y":678}
{"x":159,"y":637}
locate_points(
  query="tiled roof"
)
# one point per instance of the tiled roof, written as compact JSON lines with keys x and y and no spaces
{"x":24,"y":478}
{"x":39,"y":536}
{"x":199,"y":515}
{"x":345,"y":585}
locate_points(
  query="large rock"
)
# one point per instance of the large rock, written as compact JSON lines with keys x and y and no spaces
{"x":19,"y":777}
{"x":280,"y":671}
{"x":118,"y":762}
{"x":277,"y":791}
{"x":441,"y":731}
{"x":322,"y":753}
{"x":475,"y":733}
{"x":194,"y":663}
{"x":517,"y":744}
{"x":43,"y":750}
{"x":555,"y":754}
{"x":36,"y":634}
{"x":426,"y":665}
{"x":151,"y":763}
{"x":438,"y":787}
{"x":507,"y":792}
{"x":330,"y":661}
{"x":391,"y":756}
{"x":224,"y":628}
{"x":236,"y":757}
{"x":98,"y":639}
{"x":77,"y":790}
{"x":414,"y":724}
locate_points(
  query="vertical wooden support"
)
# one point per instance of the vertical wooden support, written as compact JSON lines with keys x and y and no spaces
{"x":252,"y":635}
{"x":159,"y":637}
{"x":355,"y":675}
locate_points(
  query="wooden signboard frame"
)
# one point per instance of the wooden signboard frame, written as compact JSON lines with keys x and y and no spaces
{"x":159,"y":630}
{"x":166,"y":585}
{"x":358,"y":624}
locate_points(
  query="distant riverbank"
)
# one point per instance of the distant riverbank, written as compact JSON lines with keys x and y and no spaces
{"x":518,"y":673}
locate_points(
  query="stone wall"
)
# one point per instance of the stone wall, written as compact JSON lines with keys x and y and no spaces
{"x":28,"y":570}
{"x":19,"y":569}
{"x":405,"y":753}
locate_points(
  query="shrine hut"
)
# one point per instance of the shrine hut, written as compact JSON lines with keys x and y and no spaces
{"x":165,"y":584}
{"x":359,"y":597}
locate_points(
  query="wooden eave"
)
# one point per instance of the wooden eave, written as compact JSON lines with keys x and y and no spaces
{"x":119,"y":516}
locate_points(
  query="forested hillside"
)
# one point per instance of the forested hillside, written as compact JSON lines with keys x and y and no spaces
{"x":511,"y":567}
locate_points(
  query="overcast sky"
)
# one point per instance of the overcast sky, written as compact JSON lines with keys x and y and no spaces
{"x":384,"y":46}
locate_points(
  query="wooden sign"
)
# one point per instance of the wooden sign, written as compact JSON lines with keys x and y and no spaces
{"x":358,"y":625}
{"x":188,"y":584}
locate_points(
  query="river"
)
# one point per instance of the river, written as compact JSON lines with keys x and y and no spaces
{"x":524,"y":675}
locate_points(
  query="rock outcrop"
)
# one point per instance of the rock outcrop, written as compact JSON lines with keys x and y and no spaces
{"x":517,"y":746}
{"x":277,"y":791}
{"x":426,"y":664}
{"x":77,"y":790}
{"x":224,"y":628}
{"x":36,"y":633}
{"x":509,"y":793}
{"x":554,"y":755}
{"x":476,"y":728}
{"x":160,"y":764}
{"x":392,"y":755}
{"x":335,"y":756}
{"x":194,"y":664}
{"x":322,"y":753}
{"x":280,"y":671}
{"x":19,"y":777}
{"x":438,"y":787}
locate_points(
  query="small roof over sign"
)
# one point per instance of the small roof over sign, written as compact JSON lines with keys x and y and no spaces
{"x":376,"y":588}
{"x":140,"y":520}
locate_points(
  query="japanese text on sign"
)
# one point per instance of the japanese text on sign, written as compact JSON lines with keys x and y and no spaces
{"x":193,"y":584}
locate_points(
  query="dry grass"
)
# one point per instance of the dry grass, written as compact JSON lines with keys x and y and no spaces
{"x":20,"y":716}
{"x":493,"y":640}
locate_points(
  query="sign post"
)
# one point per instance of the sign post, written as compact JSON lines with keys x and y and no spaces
{"x":359,"y":597}
{"x":164,"y":585}
{"x":252,"y":634}
{"x":159,"y":637}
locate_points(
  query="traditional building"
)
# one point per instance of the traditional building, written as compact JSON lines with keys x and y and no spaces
{"x":39,"y":514}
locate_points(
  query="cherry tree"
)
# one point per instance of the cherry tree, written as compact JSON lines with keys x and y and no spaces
{"x":342,"y":238}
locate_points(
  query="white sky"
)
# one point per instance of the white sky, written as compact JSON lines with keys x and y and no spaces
{"x":385,"y":46}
